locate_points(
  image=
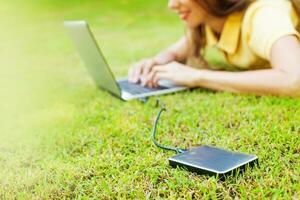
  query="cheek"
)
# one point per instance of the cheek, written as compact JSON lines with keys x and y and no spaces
{"x":188,"y":4}
{"x":195,"y":19}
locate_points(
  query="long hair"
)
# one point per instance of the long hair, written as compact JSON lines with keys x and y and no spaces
{"x":219,"y":8}
{"x":297,"y":5}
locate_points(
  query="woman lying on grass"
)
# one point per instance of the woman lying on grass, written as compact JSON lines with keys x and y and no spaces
{"x":257,"y":44}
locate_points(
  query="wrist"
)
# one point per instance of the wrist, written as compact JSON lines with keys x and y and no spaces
{"x":199,"y":77}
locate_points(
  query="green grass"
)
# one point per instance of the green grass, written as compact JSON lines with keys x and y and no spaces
{"x":61,"y":138}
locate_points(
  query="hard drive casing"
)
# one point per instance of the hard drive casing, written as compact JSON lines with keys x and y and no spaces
{"x":212,"y":161}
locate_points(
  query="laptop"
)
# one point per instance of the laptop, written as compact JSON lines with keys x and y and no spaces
{"x":102,"y":75}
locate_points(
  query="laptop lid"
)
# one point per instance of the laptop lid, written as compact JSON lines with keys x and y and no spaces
{"x":92,"y":56}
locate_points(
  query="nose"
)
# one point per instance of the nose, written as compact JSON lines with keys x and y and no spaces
{"x":173,"y":4}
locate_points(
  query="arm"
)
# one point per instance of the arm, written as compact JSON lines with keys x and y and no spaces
{"x":282,"y":79}
{"x":177,"y":52}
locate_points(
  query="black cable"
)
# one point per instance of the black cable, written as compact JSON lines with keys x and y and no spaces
{"x":176,"y":149}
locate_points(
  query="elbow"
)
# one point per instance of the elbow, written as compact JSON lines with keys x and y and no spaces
{"x":292,"y":88}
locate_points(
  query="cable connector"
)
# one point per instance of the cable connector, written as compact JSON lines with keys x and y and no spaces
{"x":179,"y":150}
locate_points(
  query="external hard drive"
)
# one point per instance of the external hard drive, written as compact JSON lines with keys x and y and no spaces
{"x":212,"y":161}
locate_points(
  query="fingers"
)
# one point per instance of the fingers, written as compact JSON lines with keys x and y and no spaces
{"x":135,"y":72}
{"x":140,"y":70}
{"x":148,"y":81}
{"x":148,"y":66}
{"x":160,"y":75}
{"x":148,"y":73}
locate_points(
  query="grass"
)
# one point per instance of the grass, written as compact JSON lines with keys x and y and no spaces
{"x":61,"y":138}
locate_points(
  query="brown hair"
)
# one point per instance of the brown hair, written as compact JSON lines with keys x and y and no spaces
{"x":219,"y":8}
{"x":297,"y":5}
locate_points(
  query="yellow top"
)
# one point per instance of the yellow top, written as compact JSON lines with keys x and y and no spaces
{"x":247,"y":37}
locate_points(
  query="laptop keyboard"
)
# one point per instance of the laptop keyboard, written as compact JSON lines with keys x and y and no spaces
{"x":133,"y":88}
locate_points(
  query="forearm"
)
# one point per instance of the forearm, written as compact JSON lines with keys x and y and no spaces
{"x":282,"y":79}
{"x":268,"y":81}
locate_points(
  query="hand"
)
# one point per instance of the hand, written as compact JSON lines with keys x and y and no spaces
{"x":176,"y":72}
{"x":140,"y":70}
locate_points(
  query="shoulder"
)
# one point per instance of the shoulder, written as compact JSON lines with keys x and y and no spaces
{"x":258,"y":4}
{"x":270,"y":9}
{"x":266,"y":21}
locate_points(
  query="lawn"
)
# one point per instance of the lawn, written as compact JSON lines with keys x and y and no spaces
{"x":62,"y":138}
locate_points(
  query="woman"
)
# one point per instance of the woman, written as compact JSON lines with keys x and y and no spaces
{"x":257,"y":44}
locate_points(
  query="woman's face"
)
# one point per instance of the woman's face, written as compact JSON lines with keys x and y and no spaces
{"x":189,"y":11}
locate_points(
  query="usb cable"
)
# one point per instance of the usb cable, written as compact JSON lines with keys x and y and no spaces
{"x":154,"y":130}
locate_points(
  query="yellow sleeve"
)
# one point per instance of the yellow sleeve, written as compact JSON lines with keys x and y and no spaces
{"x":270,"y":23}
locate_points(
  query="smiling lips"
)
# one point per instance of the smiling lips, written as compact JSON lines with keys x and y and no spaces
{"x":184,"y":15}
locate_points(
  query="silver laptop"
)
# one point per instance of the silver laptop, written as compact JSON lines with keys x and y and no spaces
{"x":100,"y":71}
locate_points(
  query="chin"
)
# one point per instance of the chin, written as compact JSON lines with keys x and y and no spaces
{"x":192,"y":25}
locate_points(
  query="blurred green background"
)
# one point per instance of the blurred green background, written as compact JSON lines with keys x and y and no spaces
{"x":40,"y":66}
{"x":62,"y":138}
